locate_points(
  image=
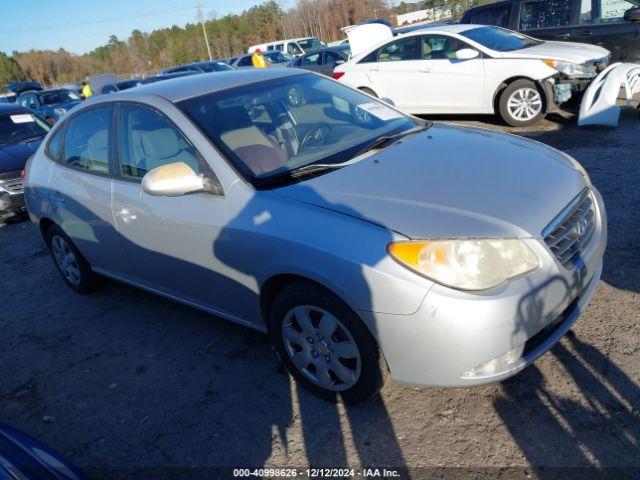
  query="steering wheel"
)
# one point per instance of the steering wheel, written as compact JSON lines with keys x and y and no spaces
{"x":315,"y":136}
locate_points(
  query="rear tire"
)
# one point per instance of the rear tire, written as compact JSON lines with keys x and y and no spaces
{"x":73,"y":267}
{"x":521,"y":104}
{"x":324,"y":345}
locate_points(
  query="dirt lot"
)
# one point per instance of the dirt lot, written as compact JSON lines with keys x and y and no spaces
{"x":123,"y":381}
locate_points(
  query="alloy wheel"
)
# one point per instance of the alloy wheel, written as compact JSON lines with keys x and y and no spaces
{"x":321,"y":348}
{"x":65,"y":259}
{"x":524,"y":104}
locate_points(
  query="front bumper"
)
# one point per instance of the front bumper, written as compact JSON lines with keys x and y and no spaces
{"x":11,"y":203}
{"x":455,"y":332}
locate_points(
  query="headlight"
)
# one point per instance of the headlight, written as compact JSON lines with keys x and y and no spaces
{"x":466,"y":264}
{"x":60,"y":111}
{"x":572,"y":70}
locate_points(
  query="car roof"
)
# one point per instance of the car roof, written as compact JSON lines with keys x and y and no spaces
{"x":340,"y":50}
{"x":9,"y":108}
{"x":454,"y":28}
{"x":189,"y":86}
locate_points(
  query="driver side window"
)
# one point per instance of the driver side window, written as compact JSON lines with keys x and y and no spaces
{"x":148,"y":140}
{"x":439,"y":47}
{"x":86,"y":142}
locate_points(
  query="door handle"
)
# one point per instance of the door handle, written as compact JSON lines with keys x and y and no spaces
{"x":584,"y":34}
{"x":562,"y":35}
{"x":424,"y":70}
{"x":374,"y":69}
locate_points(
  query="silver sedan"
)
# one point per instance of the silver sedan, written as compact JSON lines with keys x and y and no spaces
{"x":362,"y":240}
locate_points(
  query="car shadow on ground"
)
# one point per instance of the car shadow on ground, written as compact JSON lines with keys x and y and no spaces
{"x":564,"y":438}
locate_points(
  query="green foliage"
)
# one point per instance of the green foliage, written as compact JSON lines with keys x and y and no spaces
{"x":10,"y":70}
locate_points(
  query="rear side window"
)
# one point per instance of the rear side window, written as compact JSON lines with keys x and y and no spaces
{"x":549,"y":13}
{"x":148,"y":140}
{"x":245,"y":62}
{"x":498,"y":15}
{"x":400,"y":50}
{"x":331,"y":58}
{"x":86,"y":141}
{"x":311,"y":60}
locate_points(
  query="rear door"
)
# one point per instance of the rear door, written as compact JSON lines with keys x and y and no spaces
{"x":601,"y":23}
{"x":394,"y":71}
{"x":80,"y":189}
{"x":548,"y":19}
{"x":169,"y":240}
{"x":446,"y":83}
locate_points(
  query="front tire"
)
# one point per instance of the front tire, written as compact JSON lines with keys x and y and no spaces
{"x":521,"y":104}
{"x":73,"y":267}
{"x":324,"y":345}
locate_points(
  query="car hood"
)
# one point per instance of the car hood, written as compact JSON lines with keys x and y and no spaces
{"x":451,"y":182}
{"x":565,"y":51}
{"x":13,"y":157}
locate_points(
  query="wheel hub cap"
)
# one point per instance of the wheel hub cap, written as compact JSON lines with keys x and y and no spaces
{"x":321,"y":347}
{"x":524,"y":104}
{"x":65,"y":259}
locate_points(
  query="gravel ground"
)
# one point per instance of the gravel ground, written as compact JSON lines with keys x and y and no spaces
{"x":122,"y":381}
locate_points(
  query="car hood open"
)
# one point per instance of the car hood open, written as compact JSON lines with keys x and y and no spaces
{"x":451,"y":182}
{"x":564,"y":51}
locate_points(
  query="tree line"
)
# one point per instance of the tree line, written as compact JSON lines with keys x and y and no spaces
{"x":147,"y":52}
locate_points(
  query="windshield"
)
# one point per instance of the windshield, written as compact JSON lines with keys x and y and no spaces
{"x":310,"y":44}
{"x":499,"y":39}
{"x":18,"y":127}
{"x":277,"y":126}
{"x":56,"y":97}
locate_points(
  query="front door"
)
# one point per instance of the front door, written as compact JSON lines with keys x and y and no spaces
{"x":446,"y":83}
{"x":602,"y":23}
{"x":169,"y":240}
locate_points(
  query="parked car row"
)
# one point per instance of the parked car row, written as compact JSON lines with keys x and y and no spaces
{"x":355,"y":235}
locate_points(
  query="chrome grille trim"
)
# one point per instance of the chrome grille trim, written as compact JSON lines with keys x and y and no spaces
{"x":569,"y":233}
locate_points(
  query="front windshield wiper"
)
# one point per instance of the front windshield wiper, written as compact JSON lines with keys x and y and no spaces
{"x":388,"y":139}
{"x":314,"y":168}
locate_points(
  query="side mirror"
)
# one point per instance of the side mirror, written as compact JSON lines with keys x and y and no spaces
{"x":172,"y":180}
{"x":632,"y":15}
{"x":33,"y":106}
{"x":467,"y":54}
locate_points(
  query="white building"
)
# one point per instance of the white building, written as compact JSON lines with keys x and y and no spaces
{"x":427,"y":15}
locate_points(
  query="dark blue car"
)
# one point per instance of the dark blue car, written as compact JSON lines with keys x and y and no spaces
{"x":23,"y":458}
{"x":50,"y":104}
{"x":20,"y":135}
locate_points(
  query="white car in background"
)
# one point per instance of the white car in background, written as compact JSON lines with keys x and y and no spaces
{"x":469,"y":69}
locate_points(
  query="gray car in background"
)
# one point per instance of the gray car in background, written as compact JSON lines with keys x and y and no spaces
{"x":356,"y":236}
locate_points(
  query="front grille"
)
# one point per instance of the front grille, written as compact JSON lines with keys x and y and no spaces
{"x":569,"y":233}
{"x":12,"y":185}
